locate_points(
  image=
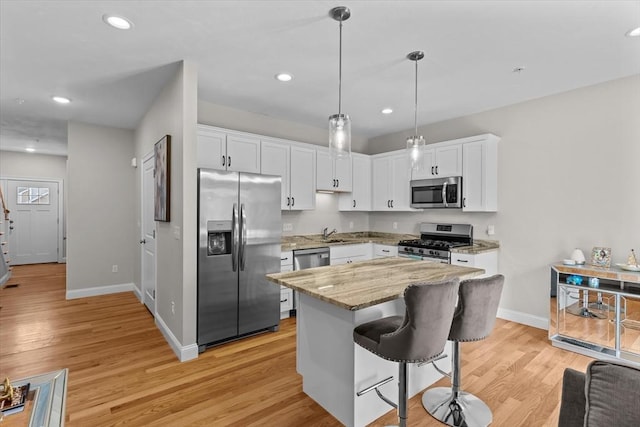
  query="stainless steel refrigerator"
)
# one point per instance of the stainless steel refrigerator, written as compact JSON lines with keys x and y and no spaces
{"x":238,"y":244}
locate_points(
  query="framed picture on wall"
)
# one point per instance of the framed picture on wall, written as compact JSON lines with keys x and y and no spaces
{"x":162,"y":179}
{"x":601,"y":257}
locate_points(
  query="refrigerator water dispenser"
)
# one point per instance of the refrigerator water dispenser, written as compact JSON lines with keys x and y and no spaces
{"x":218,"y":238}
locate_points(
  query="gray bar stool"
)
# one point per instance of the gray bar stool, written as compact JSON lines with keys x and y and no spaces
{"x":473,"y":321}
{"x":418,"y":336}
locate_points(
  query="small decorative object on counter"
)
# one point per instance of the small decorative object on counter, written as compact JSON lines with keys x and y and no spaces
{"x":574,"y":280}
{"x":594,"y":282}
{"x":601,"y":257}
{"x":632,"y":263}
{"x":578,"y":256}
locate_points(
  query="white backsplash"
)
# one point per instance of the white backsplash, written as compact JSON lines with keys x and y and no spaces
{"x":326,"y":214}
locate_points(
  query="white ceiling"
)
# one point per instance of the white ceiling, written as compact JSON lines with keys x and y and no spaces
{"x":112,"y":76}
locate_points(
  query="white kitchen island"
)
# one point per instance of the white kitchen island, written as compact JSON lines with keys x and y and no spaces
{"x":333,"y":300}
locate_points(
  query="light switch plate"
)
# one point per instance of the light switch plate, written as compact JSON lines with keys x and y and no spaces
{"x":287,"y":227}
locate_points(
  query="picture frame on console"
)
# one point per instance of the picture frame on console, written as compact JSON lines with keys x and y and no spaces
{"x":601,"y":257}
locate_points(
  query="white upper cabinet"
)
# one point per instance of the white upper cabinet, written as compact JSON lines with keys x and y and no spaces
{"x":227,"y":151}
{"x":303,"y":178}
{"x":480,"y":174}
{"x":275,"y":160}
{"x":332,"y":174}
{"x":440,"y":161}
{"x":360,"y":197}
{"x":296,"y":166}
{"x":391,"y":177}
{"x":243,"y":153}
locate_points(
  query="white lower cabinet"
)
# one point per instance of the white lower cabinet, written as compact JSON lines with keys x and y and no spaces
{"x":346,"y":254}
{"x":384,"y":251}
{"x":286,"y":294}
{"x":486,"y":260}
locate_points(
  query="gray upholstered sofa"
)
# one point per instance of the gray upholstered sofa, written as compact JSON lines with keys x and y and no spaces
{"x":608,"y":394}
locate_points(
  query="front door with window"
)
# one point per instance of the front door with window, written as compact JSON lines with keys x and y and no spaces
{"x":33,"y":229}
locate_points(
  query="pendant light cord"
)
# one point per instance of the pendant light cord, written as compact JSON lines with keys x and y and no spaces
{"x":415,"y":117}
{"x":340,"y":72}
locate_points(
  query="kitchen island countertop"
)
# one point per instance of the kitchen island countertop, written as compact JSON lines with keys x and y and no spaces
{"x":363,"y":284}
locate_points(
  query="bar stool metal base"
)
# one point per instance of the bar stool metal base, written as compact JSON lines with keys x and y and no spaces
{"x":464,"y":411}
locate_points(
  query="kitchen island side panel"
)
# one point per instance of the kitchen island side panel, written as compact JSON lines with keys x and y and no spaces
{"x":334,"y":368}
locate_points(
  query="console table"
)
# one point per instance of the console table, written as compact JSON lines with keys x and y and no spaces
{"x":46,"y":403}
{"x":600,"y":319}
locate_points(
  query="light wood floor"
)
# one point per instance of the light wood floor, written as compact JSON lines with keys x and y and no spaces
{"x":122,"y":372}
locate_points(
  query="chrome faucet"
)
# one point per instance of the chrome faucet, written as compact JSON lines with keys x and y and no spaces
{"x":325,"y":235}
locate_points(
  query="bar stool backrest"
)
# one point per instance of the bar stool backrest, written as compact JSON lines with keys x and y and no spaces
{"x":477,"y":307}
{"x":423,"y":333}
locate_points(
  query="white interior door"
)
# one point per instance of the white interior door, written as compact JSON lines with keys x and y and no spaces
{"x":33,"y":228}
{"x":148,"y":241}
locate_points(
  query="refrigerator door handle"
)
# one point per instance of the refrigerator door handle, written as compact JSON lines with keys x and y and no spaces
{"x":234,"y":237}
{"x":243,"y":234}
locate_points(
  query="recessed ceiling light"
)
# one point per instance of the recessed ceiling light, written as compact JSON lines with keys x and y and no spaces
{"x":61,"y":99}
{"x":633,"y":33}
{"x":518,"y":70}
{"x":284,"y":77}
{"x":30,"y":150}
{"x":117,"y":22}
{"x":387,"y":111}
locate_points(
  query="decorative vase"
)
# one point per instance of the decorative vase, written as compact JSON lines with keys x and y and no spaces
{"x":578,"y":256}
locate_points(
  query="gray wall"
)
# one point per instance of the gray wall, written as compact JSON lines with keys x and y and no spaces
{"x":16,"y":164}
{"x":101,"y":206}
{"x":174,"y":113}
{"x":569,"y":174}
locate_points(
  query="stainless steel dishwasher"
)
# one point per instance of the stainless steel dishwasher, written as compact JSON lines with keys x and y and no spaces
{"x":308,"y":258}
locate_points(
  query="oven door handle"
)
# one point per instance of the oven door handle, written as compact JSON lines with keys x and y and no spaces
{"x":405,"y":255}
{"x":444,"y":194}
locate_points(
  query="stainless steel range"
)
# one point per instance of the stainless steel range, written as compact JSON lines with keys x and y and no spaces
{"x":435,"y":242}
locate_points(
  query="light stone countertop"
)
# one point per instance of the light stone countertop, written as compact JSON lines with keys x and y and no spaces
{"x":478,"y":247}
{"x":309,"y":241}
{"x":363,"y":284}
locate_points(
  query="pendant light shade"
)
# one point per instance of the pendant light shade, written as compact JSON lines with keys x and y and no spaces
{"x":415,"y":143}
{"x":340,"y":124}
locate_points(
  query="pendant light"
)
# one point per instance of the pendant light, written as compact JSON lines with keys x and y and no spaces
{"x":340,"y":124}
{"x":415,"y":143}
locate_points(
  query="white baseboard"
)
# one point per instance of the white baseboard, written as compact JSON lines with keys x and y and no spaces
{"x":100,"y":290}
{"x":524,"y":318}
{"x":184,"y":353}
{"x":138,"y":293}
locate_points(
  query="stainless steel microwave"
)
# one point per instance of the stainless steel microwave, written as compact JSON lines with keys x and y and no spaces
{"x":436,"y":193}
